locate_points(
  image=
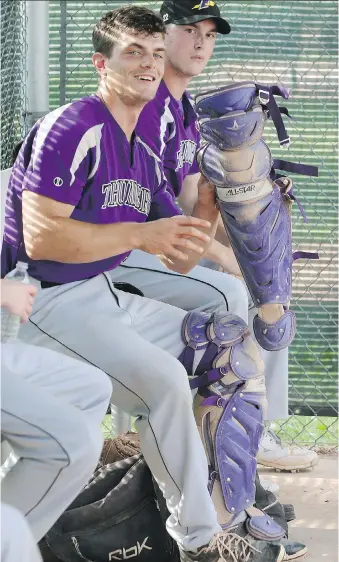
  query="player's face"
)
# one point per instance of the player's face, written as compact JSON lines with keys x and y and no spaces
{"x":190,"y":47}
{"x":136,"y":67}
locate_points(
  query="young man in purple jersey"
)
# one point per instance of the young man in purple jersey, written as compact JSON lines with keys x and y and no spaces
{"x":80,"y":192}
{"x":169,"y":125}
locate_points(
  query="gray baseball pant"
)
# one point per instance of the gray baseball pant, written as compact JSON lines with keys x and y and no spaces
{"x":17,"y":542}
{"x":136,"y":341}
{"x":51,"y":413}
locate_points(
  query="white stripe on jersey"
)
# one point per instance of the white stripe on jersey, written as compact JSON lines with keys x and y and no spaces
{"x":45,"y":127}
{"x":165,"y":120}
{"x":158,"y":168}
{"x":91,"y":139}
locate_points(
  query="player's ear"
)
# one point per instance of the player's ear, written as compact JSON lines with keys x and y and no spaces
{"x":99,"y":62}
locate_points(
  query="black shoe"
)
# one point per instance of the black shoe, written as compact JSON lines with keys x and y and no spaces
{"x":266,"y":501}
{"x":229,"y":547}
{"x":293,"y":549}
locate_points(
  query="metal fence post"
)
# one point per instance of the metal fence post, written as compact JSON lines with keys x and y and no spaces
{"x":37,"y":60}
{"x":63,"y":51}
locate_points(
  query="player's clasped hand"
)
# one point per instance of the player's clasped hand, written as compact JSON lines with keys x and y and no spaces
{"x":171,"y":236}
{"x":17,"y":298}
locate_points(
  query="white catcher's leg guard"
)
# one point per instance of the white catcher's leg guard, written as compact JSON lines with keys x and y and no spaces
{"x":229,"y":410}
{"x":254,"y":205}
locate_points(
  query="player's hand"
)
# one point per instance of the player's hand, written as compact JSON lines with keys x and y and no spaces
{"x":17,"y":298}
{"x":172,"y":236}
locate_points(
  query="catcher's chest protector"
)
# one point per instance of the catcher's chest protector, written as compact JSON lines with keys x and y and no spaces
{"x":116,"y":517}
{"x":254,"y":201}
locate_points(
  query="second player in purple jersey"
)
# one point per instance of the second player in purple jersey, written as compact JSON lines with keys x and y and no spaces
{"x":170,"y":127}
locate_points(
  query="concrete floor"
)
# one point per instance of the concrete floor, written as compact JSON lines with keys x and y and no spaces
{"x":314,"y":494}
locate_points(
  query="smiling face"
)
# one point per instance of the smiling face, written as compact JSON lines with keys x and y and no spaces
{"x":135,"y":67}
{"x":190,"y":47}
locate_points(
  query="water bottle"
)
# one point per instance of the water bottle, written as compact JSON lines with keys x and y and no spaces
{"x":10,"y":323}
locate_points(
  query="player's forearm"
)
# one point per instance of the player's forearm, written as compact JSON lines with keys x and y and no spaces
{"x":221,"y":234}
{"x":189,"y":194}
{"x":223,"y":256}
{"x":69,"y":241}
{"x":210,"y":214}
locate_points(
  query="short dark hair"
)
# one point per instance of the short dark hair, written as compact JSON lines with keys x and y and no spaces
{"x":135,"y":18}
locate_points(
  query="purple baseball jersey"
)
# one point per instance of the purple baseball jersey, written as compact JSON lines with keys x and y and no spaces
{"x":170,"y":128}
{"x":79,"y":155}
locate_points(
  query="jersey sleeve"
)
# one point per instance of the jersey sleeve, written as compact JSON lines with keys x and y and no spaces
{"x":164,"y":204}
{"x":171,"y":155}
{"x":194,"y":169}
{"x":60,"y":161}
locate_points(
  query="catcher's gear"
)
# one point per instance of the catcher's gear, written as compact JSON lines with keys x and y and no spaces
{"x":216,"y":106}
{"x":254,"y":201}
{"x":229,"y":409}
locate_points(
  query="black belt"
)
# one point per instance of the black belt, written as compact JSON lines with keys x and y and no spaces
{"x":125,"y":287}
{"x":48,"y":285}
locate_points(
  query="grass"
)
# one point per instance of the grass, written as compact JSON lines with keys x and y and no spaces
{"x":302,"y":430}
{"x":308,"y":430}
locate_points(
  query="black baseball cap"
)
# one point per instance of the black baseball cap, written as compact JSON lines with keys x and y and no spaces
{"x":184,"y":12}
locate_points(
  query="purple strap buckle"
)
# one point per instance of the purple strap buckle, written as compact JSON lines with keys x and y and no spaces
{"x":264,"y":96}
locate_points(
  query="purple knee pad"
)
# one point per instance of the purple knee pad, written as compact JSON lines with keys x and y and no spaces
{"x":242,"y":128}
{"x":228,"y":384}
{"x":242,"y":96}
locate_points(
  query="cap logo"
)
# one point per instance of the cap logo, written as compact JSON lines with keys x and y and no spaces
{"x":165,"y":17}
{"x":204,"y":4}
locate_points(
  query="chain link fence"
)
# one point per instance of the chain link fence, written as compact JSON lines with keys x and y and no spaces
{"x":294,"y":42}
{"x":13,"y":76}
